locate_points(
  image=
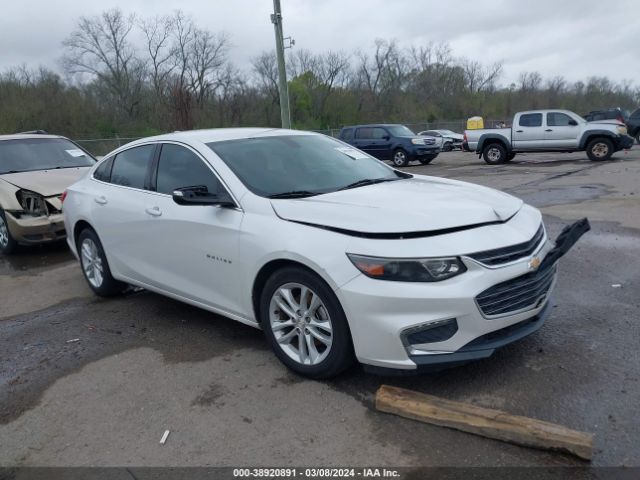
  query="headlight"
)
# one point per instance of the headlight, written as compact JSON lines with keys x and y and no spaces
{"x":408,"y":270}
{"x":32,"y":203}
{"x":622,"y":130}
{"x":417,"y":141}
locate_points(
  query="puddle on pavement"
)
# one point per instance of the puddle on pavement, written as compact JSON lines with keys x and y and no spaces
{"x":29,"y":260}
{"x":559,"y":195}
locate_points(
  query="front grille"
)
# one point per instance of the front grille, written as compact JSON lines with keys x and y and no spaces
{"x":520,"y":293}
{"x":499,"y":256}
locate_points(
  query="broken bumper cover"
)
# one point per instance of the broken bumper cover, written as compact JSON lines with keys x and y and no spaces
{"x":507,"y":329}
{"x":625,"y":142}
{"x":33,"y":230}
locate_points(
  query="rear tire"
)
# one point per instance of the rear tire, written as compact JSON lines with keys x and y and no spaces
{"x":400,"y":158}
{"x":427,"y":160}
{"x":95,"y":267}
{"x":308,"y":331}
{"x":600,"y":149}
{"x":494,"y":154}
{"x":8,"y":244}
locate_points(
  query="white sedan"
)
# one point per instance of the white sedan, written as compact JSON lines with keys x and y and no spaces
{"x":334,"y":254}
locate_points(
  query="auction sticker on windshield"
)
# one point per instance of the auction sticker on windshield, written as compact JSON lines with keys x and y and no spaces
{"x":352,"y":152}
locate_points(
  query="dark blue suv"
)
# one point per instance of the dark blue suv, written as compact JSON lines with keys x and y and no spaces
{"x":392,"y":142}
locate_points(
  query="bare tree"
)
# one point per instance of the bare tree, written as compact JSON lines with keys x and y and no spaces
{"x":100,"y":47}
{"x":158,"y":33}
{"x":479,"y":77}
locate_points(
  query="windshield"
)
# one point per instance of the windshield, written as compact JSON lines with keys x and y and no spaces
{"x":400,"y":131}
{"x":447,"y":132}
{"x":300,"y":165}
{"x":29,"y":154}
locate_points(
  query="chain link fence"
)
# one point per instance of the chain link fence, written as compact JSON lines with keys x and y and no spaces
{"x":102,"y":146}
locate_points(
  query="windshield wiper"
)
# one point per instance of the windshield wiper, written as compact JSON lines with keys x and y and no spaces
{"x":367,"y":181}
{"x":294,"y":194}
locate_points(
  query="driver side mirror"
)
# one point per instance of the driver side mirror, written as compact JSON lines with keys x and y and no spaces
{"x":200,"y":195}
{"x":573,"y":123}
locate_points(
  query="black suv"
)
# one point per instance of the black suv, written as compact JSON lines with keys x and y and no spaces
{"x":633,"y":125}
{"x":618,"y":114}
{"x":392,"y":142}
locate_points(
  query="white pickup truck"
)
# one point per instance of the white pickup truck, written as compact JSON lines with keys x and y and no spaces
{"x":548,"y":131}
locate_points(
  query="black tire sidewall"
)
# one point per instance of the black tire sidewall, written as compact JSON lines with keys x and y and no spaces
{"x":593,"y":142}
{"x":110,"y":286}
{"x":503,"y":154}
{"x":12,"y":245}
{"x":341,"y":354}
{"x":406,"y":157}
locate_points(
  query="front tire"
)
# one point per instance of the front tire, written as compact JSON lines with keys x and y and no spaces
{"x":427,"y":159}
{"x":400,"y":158}
{"x":600,"y":149}
{"x":8,"y":244}
{"x":95,"y":267}
{"x":303,"y":321}
{"x":638,"y":136}
{"x":494,"y":154}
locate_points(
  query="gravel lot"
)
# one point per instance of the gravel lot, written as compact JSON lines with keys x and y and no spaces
{"x":144,"y":363}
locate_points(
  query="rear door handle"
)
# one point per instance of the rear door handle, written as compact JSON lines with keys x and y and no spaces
{"x":102,"y":200}
{"x":519,"y":131}
{"x":154,"y":211}
{"x":548,"y":130}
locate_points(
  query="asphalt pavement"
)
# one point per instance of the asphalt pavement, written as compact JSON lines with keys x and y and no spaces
{"x":89,"y":381}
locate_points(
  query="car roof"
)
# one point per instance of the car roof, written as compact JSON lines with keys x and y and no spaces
{"x":222,"y":134}
{"x":375,"y":125}
{"x":22,"y":136}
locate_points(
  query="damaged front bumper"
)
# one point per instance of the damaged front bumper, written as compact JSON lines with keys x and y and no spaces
{"x":32,"y":230}
{"x":467,"y":333}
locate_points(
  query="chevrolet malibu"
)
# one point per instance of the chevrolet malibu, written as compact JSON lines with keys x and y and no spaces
{"x":333,"y":254}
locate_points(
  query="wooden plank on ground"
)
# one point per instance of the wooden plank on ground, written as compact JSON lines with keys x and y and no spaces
{"x":483,"y":421}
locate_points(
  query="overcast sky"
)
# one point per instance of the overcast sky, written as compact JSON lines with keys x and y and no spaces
{"x":573,"y":38}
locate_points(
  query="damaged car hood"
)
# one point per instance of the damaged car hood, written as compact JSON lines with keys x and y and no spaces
{"x":46,"y":182}
{"x":419,"y":205}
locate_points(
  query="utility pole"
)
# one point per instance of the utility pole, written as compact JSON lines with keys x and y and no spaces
{"x":276,"y":19}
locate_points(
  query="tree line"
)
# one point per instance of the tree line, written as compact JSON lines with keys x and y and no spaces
{"x":125,"y":75}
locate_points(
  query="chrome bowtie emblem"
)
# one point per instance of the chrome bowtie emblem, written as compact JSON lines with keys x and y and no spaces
{"x":534,"y":263}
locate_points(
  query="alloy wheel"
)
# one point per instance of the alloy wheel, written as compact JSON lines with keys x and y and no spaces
{"x":399,"y":158}
{"x":91,"y":262}
{"x":4,"y":233}
{"x":300,"y":323}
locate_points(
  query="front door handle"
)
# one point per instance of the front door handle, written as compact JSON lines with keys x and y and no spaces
{"x":519,"y":131}
{"x":154,"y":211}
{"x":102,"y":200}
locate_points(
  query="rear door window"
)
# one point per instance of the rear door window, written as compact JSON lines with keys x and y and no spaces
{"x":531,"y":120}
{"x":179,"y":167}
{"x":366,"y":132}
{"x":346,"y":134}
{"x":130,"y":167}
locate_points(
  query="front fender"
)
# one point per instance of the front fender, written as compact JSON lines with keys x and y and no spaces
{"x":595,"y":133}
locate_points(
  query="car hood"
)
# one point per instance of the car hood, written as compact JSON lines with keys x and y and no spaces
{"x":419,"y":205}
{"x":606,"y":122}
{"x":46,"y":182}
